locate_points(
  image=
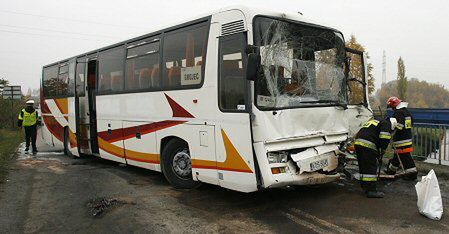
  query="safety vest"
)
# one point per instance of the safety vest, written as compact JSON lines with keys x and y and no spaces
{"x":29,"y":119}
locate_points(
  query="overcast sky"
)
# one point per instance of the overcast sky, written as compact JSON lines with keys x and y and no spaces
{"x":34,"y":33}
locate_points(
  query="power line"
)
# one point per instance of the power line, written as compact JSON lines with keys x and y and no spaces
{"x":57,"y":31}
{"x":66,"y":19}
{"x":44,"y":35}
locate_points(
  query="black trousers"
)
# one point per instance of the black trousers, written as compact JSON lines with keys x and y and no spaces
{"x":367,"y":159}
{"x":406,"y":159}
{"x":30,"y":135}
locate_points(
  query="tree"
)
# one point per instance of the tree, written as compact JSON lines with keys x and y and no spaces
{"x":4,"y":82}
{"x":402,"y":80}
{"x":356,"y":71}
{"x":420,"y":94}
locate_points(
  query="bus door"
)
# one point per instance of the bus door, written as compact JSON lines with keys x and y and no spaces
{"x":358,"y":111}
{"x":86,"y":130}
{"x":234,"y":141}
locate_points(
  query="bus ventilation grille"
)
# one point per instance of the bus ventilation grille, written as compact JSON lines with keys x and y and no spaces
{"x":232,"y":27}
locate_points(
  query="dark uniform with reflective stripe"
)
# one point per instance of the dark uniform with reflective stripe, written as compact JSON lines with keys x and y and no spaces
{"x":403,"y":143}
{"x":375,"y":135}
{"x":29,"y":119}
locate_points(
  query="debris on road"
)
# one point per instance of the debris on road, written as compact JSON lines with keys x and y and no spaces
{"x":99,"y":205}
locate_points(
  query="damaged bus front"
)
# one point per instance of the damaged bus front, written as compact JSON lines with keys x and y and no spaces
{"x":309,"y":99}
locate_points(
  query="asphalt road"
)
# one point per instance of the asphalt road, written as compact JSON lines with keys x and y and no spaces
{"x":57,"y":194}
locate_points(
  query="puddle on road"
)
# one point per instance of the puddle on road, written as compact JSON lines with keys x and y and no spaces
{"x":99,"y":206}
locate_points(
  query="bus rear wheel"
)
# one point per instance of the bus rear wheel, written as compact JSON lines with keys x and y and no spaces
{"x":177,"y":165}
{"x":67,"y":142}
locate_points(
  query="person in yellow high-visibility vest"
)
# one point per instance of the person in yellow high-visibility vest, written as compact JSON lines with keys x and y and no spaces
{"x":29,"y":119}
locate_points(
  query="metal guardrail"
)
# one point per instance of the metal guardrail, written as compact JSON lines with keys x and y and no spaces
{"x":431,"y":141}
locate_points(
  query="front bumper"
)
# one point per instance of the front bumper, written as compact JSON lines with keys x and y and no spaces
{"x":297,"y":170}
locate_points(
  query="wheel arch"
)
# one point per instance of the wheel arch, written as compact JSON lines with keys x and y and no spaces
{"x":164,"y":141}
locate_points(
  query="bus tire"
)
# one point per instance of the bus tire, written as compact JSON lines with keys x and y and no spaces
{"x":67,"y":142}
{"x":176,"y":165}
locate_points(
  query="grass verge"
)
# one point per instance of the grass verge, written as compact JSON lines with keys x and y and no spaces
{"x":9,"y":140}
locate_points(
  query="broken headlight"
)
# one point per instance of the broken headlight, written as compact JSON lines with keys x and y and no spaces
{"x":277,"y":157}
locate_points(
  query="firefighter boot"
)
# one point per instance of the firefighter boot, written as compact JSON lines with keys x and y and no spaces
{"x":26,"y":150}
{"x":390,"y":169}
{"x":369,"y":187}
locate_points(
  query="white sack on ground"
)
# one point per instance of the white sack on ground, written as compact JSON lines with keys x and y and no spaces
{"x":429,"y":197}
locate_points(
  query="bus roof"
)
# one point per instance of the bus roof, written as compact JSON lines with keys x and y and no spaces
{"x":249,"y":14}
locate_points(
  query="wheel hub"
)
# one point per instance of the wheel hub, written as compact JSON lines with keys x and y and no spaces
{"x":182,"y":164}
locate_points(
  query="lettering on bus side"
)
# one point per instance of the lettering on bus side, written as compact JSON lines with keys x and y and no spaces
{"x":191,"y":75}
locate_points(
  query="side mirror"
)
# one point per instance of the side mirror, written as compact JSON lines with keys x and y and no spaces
{"x":252,"y":66}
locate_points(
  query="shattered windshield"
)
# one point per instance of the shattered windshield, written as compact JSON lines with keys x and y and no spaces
{"x":301,"y":65}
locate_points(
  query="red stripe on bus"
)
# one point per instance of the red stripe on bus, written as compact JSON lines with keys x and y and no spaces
{"x":130,"y":132}
{"x":51,"y":123}
{"x":178,"y":110}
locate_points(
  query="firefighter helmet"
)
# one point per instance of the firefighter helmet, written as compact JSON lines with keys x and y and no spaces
{"x":30,"y":102}
{"x":393,"y":102}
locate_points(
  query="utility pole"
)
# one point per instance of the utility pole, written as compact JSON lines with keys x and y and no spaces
{"x":384,"y":69}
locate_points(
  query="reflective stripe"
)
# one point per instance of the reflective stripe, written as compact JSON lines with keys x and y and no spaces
{"x":413,"y":169}
{"x":408,"y":123}
{"x":392,"y":167}
{"x":400,"y":126}
{"x":408,"y":117}
{"x":368,"y":177}
{"x":385,"y":135}
{"x":371,"y":122}
{"x":403,"y":143}
{"x":366,"y":143}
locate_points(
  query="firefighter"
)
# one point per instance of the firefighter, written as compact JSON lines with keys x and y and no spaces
{"x":402,"y":140}
{"x":371,"y":142}
{"x":29,"y":119}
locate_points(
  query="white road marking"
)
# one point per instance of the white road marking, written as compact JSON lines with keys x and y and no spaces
{"x":304,"y":223}
{"x":316,"y":222}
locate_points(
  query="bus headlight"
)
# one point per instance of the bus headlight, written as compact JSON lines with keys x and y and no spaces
{"x":277,"y":157}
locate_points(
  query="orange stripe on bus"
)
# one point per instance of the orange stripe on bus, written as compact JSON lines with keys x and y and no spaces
{"x":63,"y":105}
{"x":72,"y":137}
{"x":233,"y":162}
{"x":142,"y":157}
{"x":110,"y":148}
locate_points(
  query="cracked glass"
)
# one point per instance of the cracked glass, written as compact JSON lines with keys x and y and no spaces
{"x":301,"y":65}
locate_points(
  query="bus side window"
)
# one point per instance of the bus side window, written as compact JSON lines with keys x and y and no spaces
{"x":142,"y":67}
{"x":232,"y":83}
{"x":50,"y":81}
{"x":79,"y":76}
{"x":111,"y":70}
{"x":184,"y":52}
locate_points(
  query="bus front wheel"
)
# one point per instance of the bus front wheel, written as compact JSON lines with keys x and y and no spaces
{"x":177,"y":165}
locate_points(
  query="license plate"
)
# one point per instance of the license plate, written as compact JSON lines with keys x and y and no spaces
{"x":317,"y":165}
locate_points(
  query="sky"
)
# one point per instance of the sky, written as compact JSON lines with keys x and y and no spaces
{"x":35,"y":33}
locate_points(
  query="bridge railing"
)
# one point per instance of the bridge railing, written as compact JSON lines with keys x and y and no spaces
{"x":431,"y":142}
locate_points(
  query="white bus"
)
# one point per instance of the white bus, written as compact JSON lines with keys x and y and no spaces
{"x":243,"y":99}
